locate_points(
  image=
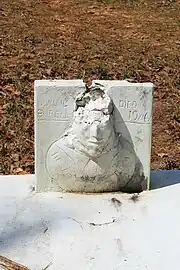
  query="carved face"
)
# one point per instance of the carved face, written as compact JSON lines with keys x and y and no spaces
{"x":93,"y":129}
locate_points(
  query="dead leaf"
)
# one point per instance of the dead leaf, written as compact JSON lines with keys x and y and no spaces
{"x":161,"y":155}
{"x":15,"y":157}
{"x":48,"y":71}
{"x":11,"y":265}
{"x":20,"y":171}
{"x":12,"y":89}
{"x":2,"y":93}
{"x":1,"y":110}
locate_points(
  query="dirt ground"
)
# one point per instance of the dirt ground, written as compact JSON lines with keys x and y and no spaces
{"x":42,"y":39}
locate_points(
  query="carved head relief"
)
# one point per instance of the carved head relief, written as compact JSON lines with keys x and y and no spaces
{"x":93,"y":123}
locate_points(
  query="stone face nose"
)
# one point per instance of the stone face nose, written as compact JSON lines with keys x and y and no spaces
{"x":95,"y":133}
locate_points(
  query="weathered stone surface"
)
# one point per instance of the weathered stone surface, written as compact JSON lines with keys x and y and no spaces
{"x":93,"y":139}
{"x":95,"y":231}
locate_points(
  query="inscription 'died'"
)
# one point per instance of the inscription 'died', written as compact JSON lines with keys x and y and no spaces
{"x":134,"y":113}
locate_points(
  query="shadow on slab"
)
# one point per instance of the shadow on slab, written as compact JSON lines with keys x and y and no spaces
{"x":31,"y":223}
{"x":164,"y":178}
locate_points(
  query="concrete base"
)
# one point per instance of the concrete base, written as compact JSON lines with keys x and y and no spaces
{"x":104,"y":232}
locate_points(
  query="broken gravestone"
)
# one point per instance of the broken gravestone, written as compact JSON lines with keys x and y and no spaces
{"x":94,"y":138}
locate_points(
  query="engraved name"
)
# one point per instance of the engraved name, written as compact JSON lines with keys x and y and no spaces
{"x":53,"y":103}
{"x":47,"y":114}
{"x":53,"y":109}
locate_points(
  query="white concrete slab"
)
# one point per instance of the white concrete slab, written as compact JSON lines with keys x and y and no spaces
{"x":75,"y":231}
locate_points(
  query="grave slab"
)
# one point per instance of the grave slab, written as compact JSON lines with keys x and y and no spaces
{"x":54,"y":109}
{"x":97,"y":231}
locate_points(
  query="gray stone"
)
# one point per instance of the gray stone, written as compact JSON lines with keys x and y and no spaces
{"x":93,"y":139}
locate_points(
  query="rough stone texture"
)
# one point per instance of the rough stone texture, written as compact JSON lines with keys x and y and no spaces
{"x":97,"y":231}
{"x":95,"y":139}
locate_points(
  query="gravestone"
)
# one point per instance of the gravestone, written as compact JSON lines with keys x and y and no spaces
{"x":93,"y":138}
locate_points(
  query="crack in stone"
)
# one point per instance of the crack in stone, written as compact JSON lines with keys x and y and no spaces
{"x":76,"y":222}
{"x":102,"y":224}
{"x":47,"y":266}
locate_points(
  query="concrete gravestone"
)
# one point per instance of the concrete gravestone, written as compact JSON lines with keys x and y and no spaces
{"x":93,"y":138}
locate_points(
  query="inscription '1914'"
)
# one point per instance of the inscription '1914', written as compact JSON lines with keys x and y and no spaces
{"x":136,"y":116}
{"x":134,"y":111}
